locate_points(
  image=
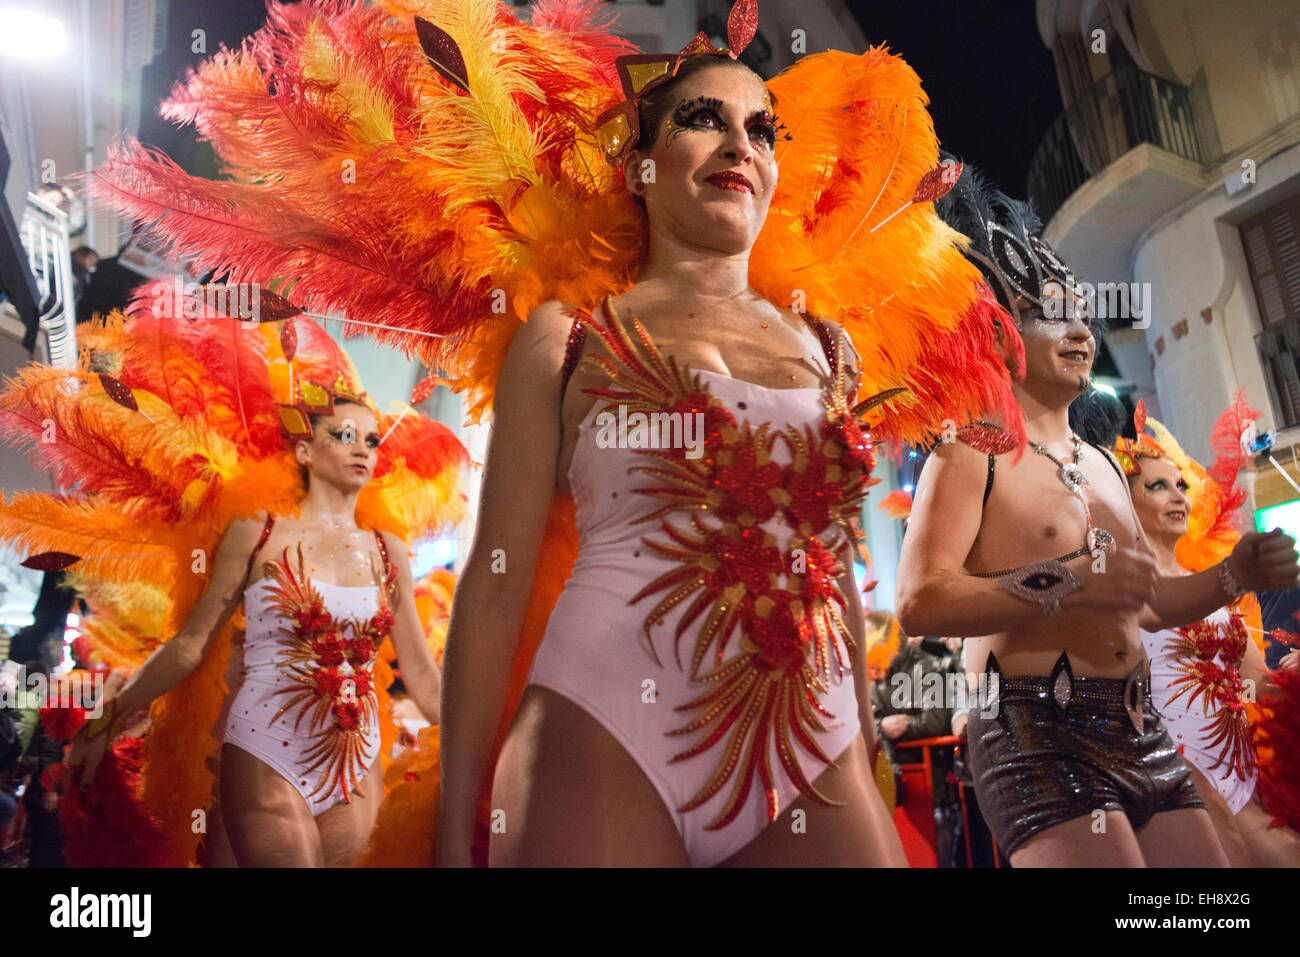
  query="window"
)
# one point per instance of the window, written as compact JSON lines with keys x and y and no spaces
{"x":1272,"y":244}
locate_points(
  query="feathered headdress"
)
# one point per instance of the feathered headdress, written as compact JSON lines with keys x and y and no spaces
{"x":619,"y":127}
{"x":1130,"y":452}
{"x":1214,"y":495}
{"x":438,"y":182}
{"x":1016,"y":263}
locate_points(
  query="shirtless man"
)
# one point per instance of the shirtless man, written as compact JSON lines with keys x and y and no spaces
{"x":1072,"y":764}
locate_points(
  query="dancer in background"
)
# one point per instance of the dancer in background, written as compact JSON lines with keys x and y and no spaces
{"x":229,"y":484}
{"x":1203,"y":675}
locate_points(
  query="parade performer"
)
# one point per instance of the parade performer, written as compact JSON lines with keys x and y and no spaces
{"x":1205,"y":675}
{"x":535,"y":206}
{"x":1074,"y":734}
{"x":232,"y":487}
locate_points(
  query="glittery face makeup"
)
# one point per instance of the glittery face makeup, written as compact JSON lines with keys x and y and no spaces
{"x":1054,"y":350}
{"x":705,"y":113}
{"x":345,"y":450}
{"x":347,"y":436}
{"x":713,"y":161}
{"x":1160,"y":498}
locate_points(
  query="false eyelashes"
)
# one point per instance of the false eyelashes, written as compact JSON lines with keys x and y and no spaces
{"x":686,"y":113}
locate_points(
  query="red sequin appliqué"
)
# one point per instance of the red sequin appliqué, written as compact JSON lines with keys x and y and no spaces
{"x":331,"y":662}
{"x":769,"y":622}
{"x":1218,"y":685}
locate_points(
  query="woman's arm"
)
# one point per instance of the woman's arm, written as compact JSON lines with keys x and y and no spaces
{"x":493,"y":590}
{"x":175,"y":660}
{"x":1259,"y":562}
{"x":420,"y":675}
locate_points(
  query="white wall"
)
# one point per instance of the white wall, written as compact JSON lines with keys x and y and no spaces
{"x":1194,"y":260}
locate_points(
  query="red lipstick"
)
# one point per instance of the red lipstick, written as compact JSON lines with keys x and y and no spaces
{"x":731,"y":180}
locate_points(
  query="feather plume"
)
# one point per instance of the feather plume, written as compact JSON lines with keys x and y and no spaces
{"x":499,"y":195}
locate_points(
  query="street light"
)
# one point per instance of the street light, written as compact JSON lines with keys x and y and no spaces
{"x":29,"y":35}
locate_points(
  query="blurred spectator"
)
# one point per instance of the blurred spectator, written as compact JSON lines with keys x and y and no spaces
{"x":84,"y":262}
{"x":908,"y":709}
{"x":1278,"y":609}
{"x":41,"y":799}
{"x":12,"y":742}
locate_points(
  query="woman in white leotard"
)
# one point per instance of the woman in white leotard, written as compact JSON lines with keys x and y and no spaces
{"x":1199,"y":676}
{"x":697,"y":698}
{"x":299,"y":782}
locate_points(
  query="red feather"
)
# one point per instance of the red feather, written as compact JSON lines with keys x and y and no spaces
{"x":248,"y":233}
{"x":62,"y":722}
{"x":1277,"y":738}
{"x":107,"y":824}
{"x":1225,"y":440}
{"x":88,"y":445}
{"x":195,"y":369}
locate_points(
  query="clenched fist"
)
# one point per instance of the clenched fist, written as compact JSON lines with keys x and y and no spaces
{"x":1265,"y":561}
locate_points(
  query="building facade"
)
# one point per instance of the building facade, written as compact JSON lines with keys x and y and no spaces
{"x":1172,"y":181}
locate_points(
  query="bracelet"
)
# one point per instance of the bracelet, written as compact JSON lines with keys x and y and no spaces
{"x":1229,"y":581}
{"x":104,"y":723}
{"x":1044,"y":582}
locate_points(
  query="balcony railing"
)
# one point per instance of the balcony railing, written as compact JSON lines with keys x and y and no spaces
{"x":1121,"y":111}
{"x":1279,"y":353}
{"x":44,"y":234}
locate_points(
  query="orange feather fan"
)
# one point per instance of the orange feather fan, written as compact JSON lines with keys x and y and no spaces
{"x":334,"y":130}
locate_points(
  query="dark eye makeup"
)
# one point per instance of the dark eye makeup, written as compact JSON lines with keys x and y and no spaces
{"x":705,"y":112}
{"x":371,"y":440}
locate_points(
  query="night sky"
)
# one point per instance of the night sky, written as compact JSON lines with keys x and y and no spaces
{"x":224,"y":22}
{"x":991,"y":82}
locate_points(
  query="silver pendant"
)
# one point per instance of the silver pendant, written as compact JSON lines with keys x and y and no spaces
{"x":1073,"y":477}
{"x":1100,"y":538}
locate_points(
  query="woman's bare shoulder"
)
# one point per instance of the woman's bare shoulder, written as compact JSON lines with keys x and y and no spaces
{"x":246,"y":530}
{"x":545,"y":333}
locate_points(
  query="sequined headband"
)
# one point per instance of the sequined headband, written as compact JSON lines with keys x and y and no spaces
{"x":619,"y":128}
{"x":1129,"y":451}
{"x":1022,"y":266}
{"x":310,"y":399}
